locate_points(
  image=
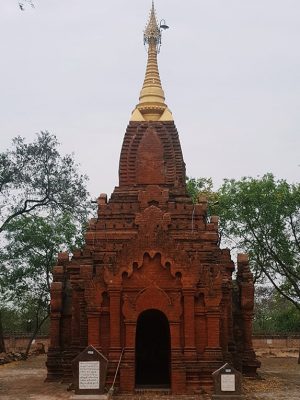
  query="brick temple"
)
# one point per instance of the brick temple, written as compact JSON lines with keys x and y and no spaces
{"x":151,"y":280}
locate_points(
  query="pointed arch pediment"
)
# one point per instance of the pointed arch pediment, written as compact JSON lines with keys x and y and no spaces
{"x":151,"y":154}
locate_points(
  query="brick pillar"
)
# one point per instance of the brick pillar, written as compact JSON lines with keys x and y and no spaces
{"x":189,"y":323}
{"x":175,"y":335}
{"x":178,"y":369}
{"x":75,"y":319}
{"x":115,"y":334}
{"x":94,"y":328}
{"x":213,"y":349}
{"x":127,"y":369}
{"x":250,"y":363}
{"x":225,"y":334}
{"x":246,"y":288}
{"x":231,"y":342}
{"x":83,"y":338}
{"x":213,"y":328}
{"x":53,"y":363}
{"x":247,"y":320}
{"x":54,"y":356}
{"x":249,"y":360}
{"x":114,"y":310}
{"x":225,"y":338}
{"x":226,"y":328}
{"x":55,"y":330}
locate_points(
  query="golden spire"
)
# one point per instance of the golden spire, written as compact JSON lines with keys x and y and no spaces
{"x":152,"y":105}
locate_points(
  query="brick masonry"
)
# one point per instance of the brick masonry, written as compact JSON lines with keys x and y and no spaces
{"x":151,"y":248}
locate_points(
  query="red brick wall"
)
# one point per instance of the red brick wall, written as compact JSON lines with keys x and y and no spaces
{"x":19,"y":343}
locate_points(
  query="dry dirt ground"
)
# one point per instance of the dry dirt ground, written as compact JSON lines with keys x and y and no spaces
{"x":280,"y":380}
{"x":24,"y":380}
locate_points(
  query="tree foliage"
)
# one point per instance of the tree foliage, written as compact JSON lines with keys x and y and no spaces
{"x":33,"y":243}
{"x":32,"y":246}
{"x":18,"y":320}
{"x":273,"y":314}
{"x":43,"y":204}
{"x":261,"y":216}
{"x":35,"y":176}
{"x":202,"y":187}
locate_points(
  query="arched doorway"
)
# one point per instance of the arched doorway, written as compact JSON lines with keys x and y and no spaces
{"x":152,"y":350}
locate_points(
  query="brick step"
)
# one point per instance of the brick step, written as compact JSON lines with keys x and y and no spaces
{"x":162,"y":397}
{"x":160,"y":394}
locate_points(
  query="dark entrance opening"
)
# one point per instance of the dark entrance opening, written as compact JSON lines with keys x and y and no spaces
{"x":152,"y":350}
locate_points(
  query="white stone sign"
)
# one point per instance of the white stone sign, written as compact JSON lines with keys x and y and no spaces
{"x":227,"y":383}
{"x":89,"y":375}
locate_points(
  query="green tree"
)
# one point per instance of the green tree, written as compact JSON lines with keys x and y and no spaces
{"x":36,"y":181}
{"x":261,"y":216}
{"x":273,"y":314}
{"x":202,"y":187}
{"x":19,"y":320}
{"x":32,"y":245}
{"x":35,"y":176}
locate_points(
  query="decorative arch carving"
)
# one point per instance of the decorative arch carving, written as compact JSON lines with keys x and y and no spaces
{"x":93,"y":293}
{"x":152,"y":298}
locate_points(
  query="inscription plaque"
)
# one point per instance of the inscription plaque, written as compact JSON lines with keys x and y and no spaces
{"x":89,"y":375}
{"x":89,"y":372}
{"x":227,"y":383}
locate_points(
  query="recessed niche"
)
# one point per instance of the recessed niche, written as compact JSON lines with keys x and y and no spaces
{"x":125,"y":275}
{"x":178,"y":275}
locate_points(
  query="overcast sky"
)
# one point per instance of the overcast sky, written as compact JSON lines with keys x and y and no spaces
{"x":230,"y":70}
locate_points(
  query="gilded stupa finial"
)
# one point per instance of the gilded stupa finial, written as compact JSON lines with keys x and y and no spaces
{"x":152,"y":32}
{"x":152,"y":105}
